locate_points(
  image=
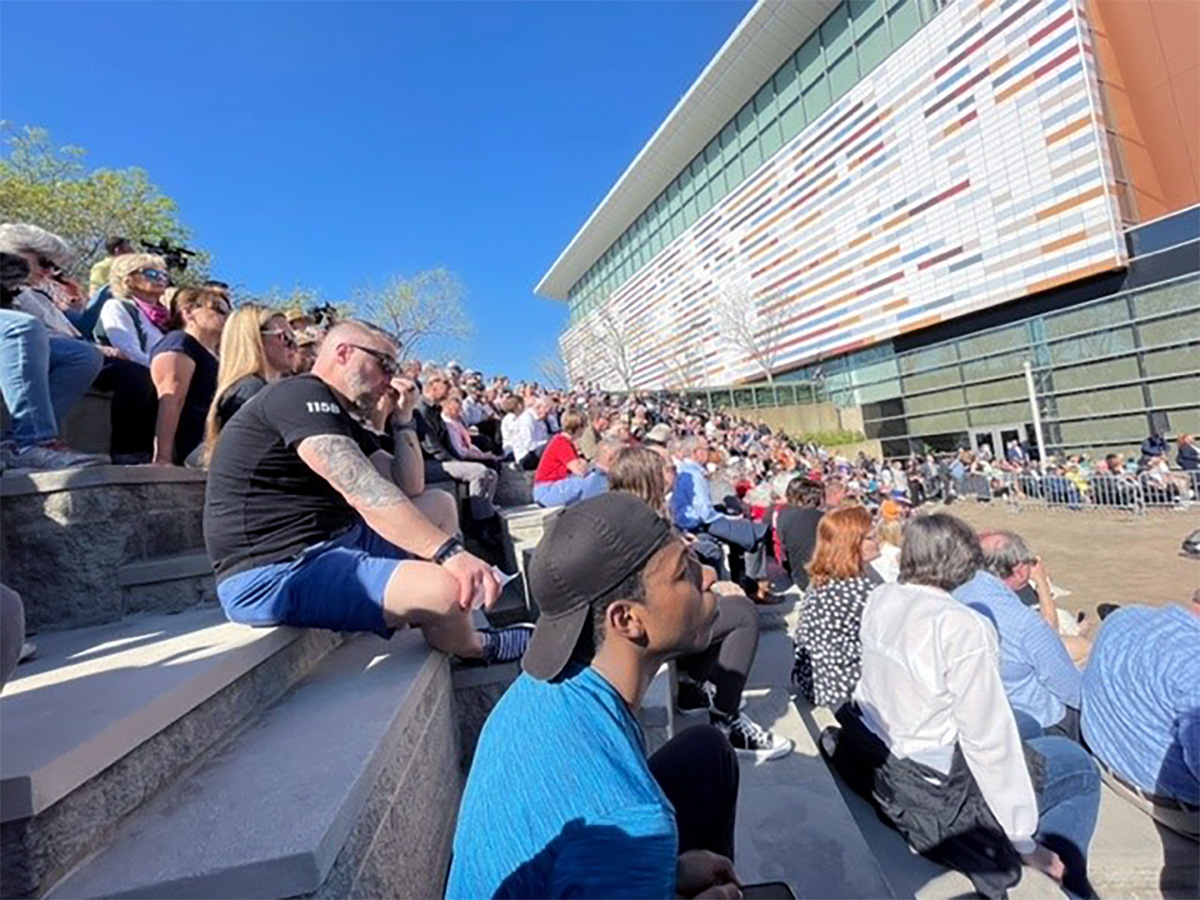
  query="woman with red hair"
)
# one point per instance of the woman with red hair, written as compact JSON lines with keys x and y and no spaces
{"x":828,"y":658}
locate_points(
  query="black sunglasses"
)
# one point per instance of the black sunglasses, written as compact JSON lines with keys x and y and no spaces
{"x":386,"y":361}
{"x":288,"y":340}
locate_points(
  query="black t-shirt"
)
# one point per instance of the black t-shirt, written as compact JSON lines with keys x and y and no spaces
{"x":190,"y":433}
{"x":263,"y":503}
{"x":236,"y":395}
{"x":798,"y":533}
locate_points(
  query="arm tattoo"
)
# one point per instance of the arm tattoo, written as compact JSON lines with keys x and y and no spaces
{"x":341,"y":462}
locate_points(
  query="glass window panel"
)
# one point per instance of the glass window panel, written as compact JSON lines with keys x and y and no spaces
{"x":743,"y":398}
{"x":873,"y":47}
{"x":904,"y":21}
{"x":885,"y":408}
{"x":1169,"y":393}
{"x":764,"y":100}
{"x":928,"y":380}
{"x":1168,"y":362}
{"x":764,"y":397}
{"x":1102,"y":343}
{"x":816,"y":99}
{"x":835,"y":32}
{"x":792,"y":120}
{"x":1181,"y":295}
{"x":1096,"y":375}
{"x":1009,"y":389}
{"x":809,"y":62}
{"x":689,"y":212}
{"x":729,"y":135}
{"x":918,"y":360}
{"x":787,"y":394}
{"x":885,"y":428}
{"x":745,"y":123}
{"x":843,"y":73}
{"x":1099,"y":315}
{"x":1169,"y":331}
{"x":1090,"y":432}
{"x":938,"y":423}
{"x":1004,"y":364}
{"x":936,"y":402}
{"x":994,"y":342}
{"x":771,"y":140}
{"x":1113,"y":400}
{"x":751,"y":156}
{"x":787,"y":84}
{"x":865,"y":13}
{"x":1006,"y":414}
{"x":722,"y":398}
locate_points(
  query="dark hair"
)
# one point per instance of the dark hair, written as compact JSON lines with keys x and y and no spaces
{"x":632,"y":588}
{"x":939,"y":551}
{"x":113,"y":244}
{"x":805,"y":493}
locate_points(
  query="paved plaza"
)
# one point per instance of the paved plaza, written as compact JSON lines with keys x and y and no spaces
{"x":1102,"y":557}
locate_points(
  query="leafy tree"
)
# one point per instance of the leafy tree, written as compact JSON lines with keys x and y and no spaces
{"x":423,"y":312}
{"x":51,"y":186}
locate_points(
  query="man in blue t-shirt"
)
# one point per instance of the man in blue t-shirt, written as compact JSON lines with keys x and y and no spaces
{"x":561,"y":800}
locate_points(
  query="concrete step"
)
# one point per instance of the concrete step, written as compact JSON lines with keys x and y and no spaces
{"x":1132,"y":856}
{"x":792,"y":822}
{"x":346,"y":787}
{"x":106,"y":715}
{"x":67,"y":535}
{"x":167,"y":584}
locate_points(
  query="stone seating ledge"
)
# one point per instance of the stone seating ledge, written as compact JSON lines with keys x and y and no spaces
{"x":347,"y":787}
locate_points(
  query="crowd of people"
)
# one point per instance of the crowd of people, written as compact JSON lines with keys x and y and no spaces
{"x":975,"y":714}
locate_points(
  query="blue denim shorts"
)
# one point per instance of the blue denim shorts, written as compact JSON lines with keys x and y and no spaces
{"x":337,"y":584}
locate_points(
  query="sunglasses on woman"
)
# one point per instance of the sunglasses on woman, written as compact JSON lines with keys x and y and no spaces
{"x":154,"y":275}
{"x":284,"y":336}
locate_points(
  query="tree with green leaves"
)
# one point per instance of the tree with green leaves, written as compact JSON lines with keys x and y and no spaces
{"x":425,"y":312}
{"x":51,"y":186}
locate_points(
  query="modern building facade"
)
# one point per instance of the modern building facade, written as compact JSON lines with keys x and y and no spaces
{"x":903,"y":202}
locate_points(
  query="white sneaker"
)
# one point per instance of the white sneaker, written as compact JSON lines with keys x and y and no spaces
{"x":751,"y":739}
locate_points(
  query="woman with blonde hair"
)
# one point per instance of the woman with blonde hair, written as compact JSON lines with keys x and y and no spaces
{"x":828,"y":660}
{"x":257,"y":348}
{"x":134,"y":319}
{"x":641,"y":471}
{"x":889,"y":535}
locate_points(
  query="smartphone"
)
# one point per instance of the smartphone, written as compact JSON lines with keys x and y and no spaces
{"x":768,"y":890}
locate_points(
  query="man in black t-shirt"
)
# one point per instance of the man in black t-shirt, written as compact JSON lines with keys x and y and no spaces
{"x":305,"y":530}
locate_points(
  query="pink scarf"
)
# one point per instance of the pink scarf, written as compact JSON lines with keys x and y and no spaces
{"x":155,"y":312}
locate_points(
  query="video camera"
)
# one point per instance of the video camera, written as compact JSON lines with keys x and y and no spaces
{"x":175,"y":256}
{"x":324,"y":316}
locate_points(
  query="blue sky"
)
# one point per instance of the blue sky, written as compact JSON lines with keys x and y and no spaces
{"x":333,"y":144}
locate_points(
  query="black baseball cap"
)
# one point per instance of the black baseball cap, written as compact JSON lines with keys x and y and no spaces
{"x":591,"y":548}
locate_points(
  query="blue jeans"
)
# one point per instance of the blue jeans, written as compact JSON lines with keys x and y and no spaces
{"x":41,"y":377}
{"x":1068,"y":801}
{"x":564,"y":492}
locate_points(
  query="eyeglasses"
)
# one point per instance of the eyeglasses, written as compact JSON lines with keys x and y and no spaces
{"x":284,"y":336}
{"x":222,"y":311}
{"x":49,"y":265}
{"x":386,"y":361}
{"x":154,"y":274}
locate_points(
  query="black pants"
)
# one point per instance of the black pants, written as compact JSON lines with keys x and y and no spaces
{"x":134,"y":405}
{"x":698,"y":771}
{"x":726,"y":662}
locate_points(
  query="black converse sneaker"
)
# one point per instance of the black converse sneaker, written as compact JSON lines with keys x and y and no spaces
{"x":503,"y":645}
{"x":694,"y":698}
{"x":751,"y":739}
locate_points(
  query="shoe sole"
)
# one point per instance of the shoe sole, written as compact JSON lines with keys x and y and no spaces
{"x":765,"y":755}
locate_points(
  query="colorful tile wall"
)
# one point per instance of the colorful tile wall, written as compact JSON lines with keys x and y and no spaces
{"x":969,"y":169}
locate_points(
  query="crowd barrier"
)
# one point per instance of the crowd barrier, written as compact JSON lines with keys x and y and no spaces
{"x":1135,"y":495}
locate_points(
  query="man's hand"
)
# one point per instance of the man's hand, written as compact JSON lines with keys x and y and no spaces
{"x":702,"y":873}
{"x":475,"y":579}
{"x":1038,"y":574}
{"x":406,"y":397}
{"x":1045,"y":861}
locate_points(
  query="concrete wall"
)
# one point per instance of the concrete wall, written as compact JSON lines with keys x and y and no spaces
{"x":797,"y":421}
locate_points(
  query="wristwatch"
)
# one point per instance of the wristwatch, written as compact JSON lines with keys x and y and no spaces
{"x":452,"y":547}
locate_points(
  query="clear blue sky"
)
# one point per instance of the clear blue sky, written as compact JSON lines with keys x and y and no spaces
{"x":333,"y":144}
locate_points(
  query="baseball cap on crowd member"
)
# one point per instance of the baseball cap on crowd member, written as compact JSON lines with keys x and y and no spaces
{"x":592,"y":548}
{"x":660,"y":434}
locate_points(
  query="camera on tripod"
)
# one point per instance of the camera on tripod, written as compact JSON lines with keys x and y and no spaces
{"x":175,"y":255}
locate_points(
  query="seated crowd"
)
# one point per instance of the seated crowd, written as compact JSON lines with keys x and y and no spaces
{"x":975,"y":715}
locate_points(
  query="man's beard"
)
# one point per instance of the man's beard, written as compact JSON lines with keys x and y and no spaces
{"x":361,"y":396}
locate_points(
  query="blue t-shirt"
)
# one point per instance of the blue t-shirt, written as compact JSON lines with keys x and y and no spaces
{"x":560,"y":801}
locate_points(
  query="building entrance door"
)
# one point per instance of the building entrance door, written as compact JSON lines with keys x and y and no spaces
{"x":998,"y":438}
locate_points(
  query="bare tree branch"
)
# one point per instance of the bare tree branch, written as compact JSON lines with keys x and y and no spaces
{"x":607,"y":339}
{"x":426,"y":307}
{"x":752,"y":322}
